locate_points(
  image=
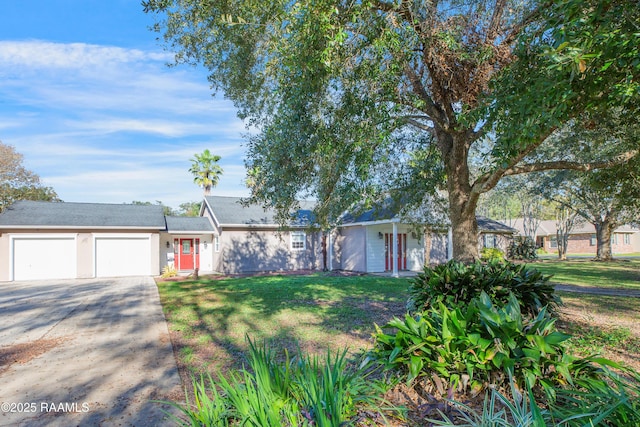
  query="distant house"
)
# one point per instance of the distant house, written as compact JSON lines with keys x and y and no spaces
{"x":582,"y":239}
{"x":45,"y":240}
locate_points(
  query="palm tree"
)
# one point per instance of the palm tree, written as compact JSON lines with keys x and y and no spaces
{"x":206,"y":171}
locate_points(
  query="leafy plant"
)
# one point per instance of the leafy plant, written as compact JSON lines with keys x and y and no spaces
{"x":468,"y":348}
{"x":456,"y":284}
{"x":299,"y":391}
{"x":491,"y":254}
{"x":522,"y":248}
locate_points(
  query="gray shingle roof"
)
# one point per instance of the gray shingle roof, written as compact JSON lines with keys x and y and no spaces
{"x":184,"y":223}
{"x":387,"y":210}
{"x":489,"y":225}
{"x":230,"y":211}
{"x":82,"y":215}
{"x":549,"y":227}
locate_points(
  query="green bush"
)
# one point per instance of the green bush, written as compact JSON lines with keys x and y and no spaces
{"x":299,"y":391}
{"x":455,"y":284}
{"x":491,"y":254}
{"x":467,"y":349}
{"x":522,"y":248}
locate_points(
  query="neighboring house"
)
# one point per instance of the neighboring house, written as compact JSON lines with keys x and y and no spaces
{"x":45,"y":240}
{"x":582,"y":238}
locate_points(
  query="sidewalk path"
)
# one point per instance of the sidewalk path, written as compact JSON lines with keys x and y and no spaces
{"x":613,"y":292}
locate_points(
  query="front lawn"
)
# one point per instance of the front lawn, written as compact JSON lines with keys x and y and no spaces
{"x":613,"y":274}
{"x":209,"y":318}
{"x":602,"y":324}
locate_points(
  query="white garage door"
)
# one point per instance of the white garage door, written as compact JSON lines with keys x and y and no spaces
{"x":123,"y":256}
{"x":36,"y":258}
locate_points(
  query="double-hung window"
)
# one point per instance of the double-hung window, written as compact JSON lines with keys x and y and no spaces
{"x":298,"y":240}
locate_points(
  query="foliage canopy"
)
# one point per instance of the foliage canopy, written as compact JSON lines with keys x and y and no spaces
{"x":19,"y":183}
{"x":353,"y":99}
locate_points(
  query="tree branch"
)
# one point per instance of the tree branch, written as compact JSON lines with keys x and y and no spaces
{"x":487,"y":181}
{"x":494,"y":25}
{"x":418,"y":88}
{"x":419,"y":125}
{"x":562,"y":164}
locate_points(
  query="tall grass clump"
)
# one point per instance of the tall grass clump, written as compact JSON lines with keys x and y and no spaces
{"x":298,"y":391}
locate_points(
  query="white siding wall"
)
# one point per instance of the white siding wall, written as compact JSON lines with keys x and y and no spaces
{"x":438,"y":248}
{"x":375,"y":248}
{"x":206,"y":254}
{"x":352,"y":255}
{"x":415,"y":252}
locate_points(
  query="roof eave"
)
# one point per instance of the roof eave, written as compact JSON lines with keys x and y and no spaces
{"x":190,"y":232}
{"x":376,"y":222}
{"x":81,"y":227}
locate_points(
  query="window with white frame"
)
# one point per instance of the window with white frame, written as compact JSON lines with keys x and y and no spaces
{"x":490,"y":241}
{"x":553,"y":243}
{"x":614,"y":239}
{"x":298,"y":240}
{"x":627,"y":239}
{"x":216,"y":244}
{"x":594,"y":240}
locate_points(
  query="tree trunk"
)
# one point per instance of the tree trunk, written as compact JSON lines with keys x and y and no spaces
{"x":565,"y":220}
{"x":603,"y":240}
{"x":563,"y":240}
{"x":462,"y":203}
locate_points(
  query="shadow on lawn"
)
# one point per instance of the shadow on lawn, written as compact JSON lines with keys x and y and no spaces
{"x":313,"y":312}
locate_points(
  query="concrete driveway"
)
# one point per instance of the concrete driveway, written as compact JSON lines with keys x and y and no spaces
{"x":84,"y":352}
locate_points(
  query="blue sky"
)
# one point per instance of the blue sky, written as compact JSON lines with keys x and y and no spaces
{"x":87,"y":98}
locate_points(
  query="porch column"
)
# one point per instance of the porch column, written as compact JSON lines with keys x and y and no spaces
{"x":330,"y":250}
{"x":450,"y":244}
{"x":395,"y":250}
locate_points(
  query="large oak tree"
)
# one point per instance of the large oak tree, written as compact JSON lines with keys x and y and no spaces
{"x":463,"y":92}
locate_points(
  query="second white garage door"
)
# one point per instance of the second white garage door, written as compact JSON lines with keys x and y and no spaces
{"x":123,"y":256}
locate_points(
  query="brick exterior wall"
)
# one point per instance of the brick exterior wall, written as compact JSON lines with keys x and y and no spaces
{"x":581,"y":244}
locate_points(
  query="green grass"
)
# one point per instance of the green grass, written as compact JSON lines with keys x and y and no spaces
{"x":602,"y":324}
{"x":614,"y":274}
{"x":317,"y":312}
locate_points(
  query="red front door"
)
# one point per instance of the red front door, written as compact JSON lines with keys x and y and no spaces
{"x":401,"y":252}
{"x":186,"y":255}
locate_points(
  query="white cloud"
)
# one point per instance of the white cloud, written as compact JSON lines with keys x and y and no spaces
{"x":103,"y":123}
{"x":37,"y":54}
